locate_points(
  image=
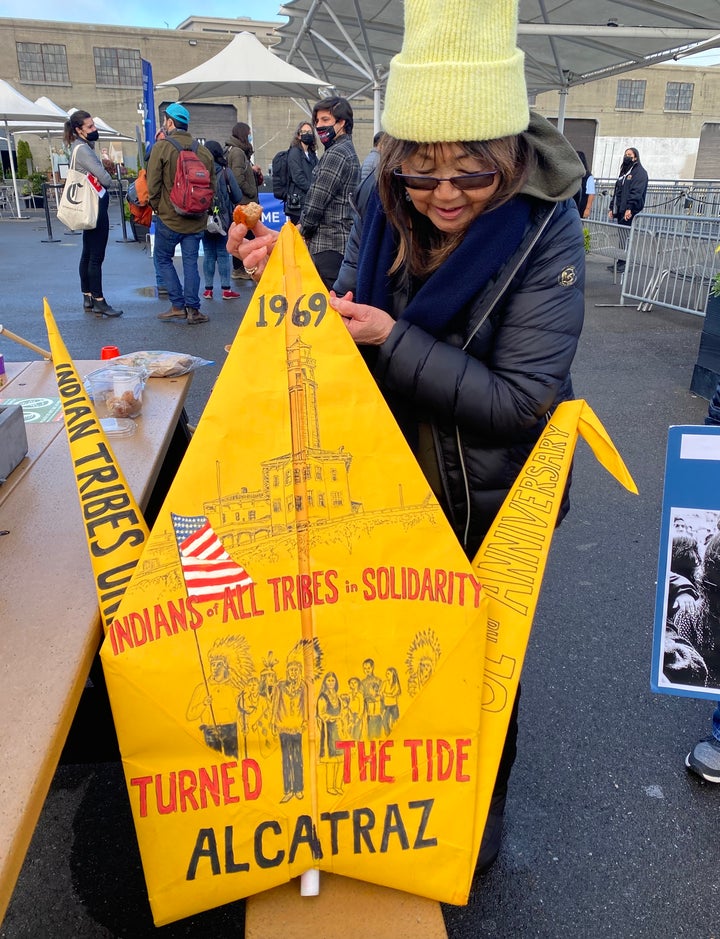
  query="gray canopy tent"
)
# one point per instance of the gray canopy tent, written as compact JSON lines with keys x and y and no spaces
{"x":349,"y":43}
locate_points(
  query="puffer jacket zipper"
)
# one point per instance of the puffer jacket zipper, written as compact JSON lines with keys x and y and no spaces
{"x":497,"y":294}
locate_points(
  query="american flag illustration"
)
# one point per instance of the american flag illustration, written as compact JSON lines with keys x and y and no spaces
{"x":207,"y":567}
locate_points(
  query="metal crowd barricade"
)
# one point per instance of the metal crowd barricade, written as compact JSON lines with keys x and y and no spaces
{"x":608,"y":240}
{"x":671,"y":261}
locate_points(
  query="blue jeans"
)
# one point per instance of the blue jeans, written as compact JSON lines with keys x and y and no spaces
{"x":716,"y":722}
{"x":165,"y":242}
{"x":215,"y":252}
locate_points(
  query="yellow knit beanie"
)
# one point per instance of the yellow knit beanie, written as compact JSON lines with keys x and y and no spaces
{"x":459,"y":75}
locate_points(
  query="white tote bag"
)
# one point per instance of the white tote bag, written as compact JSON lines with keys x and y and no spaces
{"x":79,"y":203}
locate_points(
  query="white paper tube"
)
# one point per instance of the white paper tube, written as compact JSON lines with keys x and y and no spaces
{"x":310,"y":883}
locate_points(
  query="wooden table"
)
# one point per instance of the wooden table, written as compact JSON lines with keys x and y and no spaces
{"x":50,"y":628}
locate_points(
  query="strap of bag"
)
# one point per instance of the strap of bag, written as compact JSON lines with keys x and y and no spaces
{"x":179,"y":147}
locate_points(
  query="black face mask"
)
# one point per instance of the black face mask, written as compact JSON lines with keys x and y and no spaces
{"x":627,"y":163}
{"x":307,"y":138}
{"x":93,"y":135}
{"x":326,"y":135}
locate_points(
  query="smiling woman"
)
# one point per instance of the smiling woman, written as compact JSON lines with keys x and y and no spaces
{"x":463,"y":279}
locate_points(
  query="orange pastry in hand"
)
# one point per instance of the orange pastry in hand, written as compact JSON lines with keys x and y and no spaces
{"x":248,"y":215}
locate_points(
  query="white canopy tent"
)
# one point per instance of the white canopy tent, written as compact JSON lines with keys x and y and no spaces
{"x":245,"y":68}
{"x":16,"y":107}
{"x":566,"y":42}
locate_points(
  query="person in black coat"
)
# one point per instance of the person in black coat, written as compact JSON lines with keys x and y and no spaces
{"x":463,"y":280}
{"x":628,"y":196}
{"x":302,"y":160}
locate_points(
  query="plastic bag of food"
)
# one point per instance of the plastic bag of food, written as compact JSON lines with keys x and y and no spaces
{"x":161,"y":364}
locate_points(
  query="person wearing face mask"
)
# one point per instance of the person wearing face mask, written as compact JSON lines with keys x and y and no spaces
{"x":81,"y":134}
{"x":301,"y":162}
{"x":628,"y":196}
{"x":327,"y":214}
{"x":238,"y":153}
{"x":465,"y":288}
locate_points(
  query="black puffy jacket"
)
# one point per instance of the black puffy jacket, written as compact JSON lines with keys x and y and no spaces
{"x":486,"y":390}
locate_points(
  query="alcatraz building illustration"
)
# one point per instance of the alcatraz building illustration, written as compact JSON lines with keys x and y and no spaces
{"x":308,"y":485}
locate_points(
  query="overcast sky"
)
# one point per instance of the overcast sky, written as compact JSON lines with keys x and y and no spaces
{"x":157,"y":14}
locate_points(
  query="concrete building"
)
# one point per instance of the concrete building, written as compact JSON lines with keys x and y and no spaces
{"x":670,"y":113}
{"x":98,"y":69}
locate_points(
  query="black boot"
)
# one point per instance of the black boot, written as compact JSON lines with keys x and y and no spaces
{"x":101,"y":308}
{"x":87,"y":302}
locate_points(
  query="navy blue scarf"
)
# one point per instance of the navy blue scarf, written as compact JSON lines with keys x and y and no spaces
{"x":488,"y":243}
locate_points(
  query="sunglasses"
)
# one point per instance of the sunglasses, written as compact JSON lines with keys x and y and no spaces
{"x":466,"y":181}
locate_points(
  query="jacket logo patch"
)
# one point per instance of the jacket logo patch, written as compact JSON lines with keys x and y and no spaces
{"x":567,"y":277}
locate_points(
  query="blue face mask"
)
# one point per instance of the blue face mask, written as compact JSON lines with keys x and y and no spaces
{"x":249,"y":138}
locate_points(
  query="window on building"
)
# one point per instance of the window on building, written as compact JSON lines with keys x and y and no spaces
{"x":276,"y":481}
{"x":276,"y":505}
{"x":251,"y":515}
{"x":630,"y":94}
{"x":337,"y":498}
{"x":318,"y":472}
{"x":679,"y":96}
{"x":118,"y":68}
{"x":42,"y":63}
{"x":321,"y":500}
{"x":298,"y":504}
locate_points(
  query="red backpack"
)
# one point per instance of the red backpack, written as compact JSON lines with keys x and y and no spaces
{"x":192,"y":191}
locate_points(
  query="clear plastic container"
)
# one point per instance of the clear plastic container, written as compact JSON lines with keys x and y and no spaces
{"x":118,"y":426}
{"x":117,"y":390}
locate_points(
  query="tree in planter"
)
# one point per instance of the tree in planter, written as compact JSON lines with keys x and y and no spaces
{"x":32,"y":190}
{"x":23,"y":155}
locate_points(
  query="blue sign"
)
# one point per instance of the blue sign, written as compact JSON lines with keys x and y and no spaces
{"x":273,"y":214}
{"x":684,"y":660}
{"x":148,"y":102}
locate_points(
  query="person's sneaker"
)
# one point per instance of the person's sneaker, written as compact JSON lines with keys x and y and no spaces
{"x":195,"y":316}
{"x":230,"y":295}
{"x":239,"y":273}
{"x":174,"y":313}
{"x":704,"y":759}
{"x":207,"y":295}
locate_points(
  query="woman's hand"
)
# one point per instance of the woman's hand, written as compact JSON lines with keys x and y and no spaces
{"x":368,"y":325}
{"x":254,"y":253}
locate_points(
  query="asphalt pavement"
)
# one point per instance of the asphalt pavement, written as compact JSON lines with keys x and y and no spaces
{"x":606,"y":835}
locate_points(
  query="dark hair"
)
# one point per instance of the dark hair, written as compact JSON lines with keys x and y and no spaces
{"x":583,"y":160}
{"x":422,"y":247}
{"x":378,"y":137}
{"x":77,"y":119}
{"x":217,"y":151}
{"x":710,"y":578}
{"x":633,"y":150}
{"x":295,"y":142}
{"x":685,"y":556}
{"x":241,"y":131}
{"x":340,"y":110}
